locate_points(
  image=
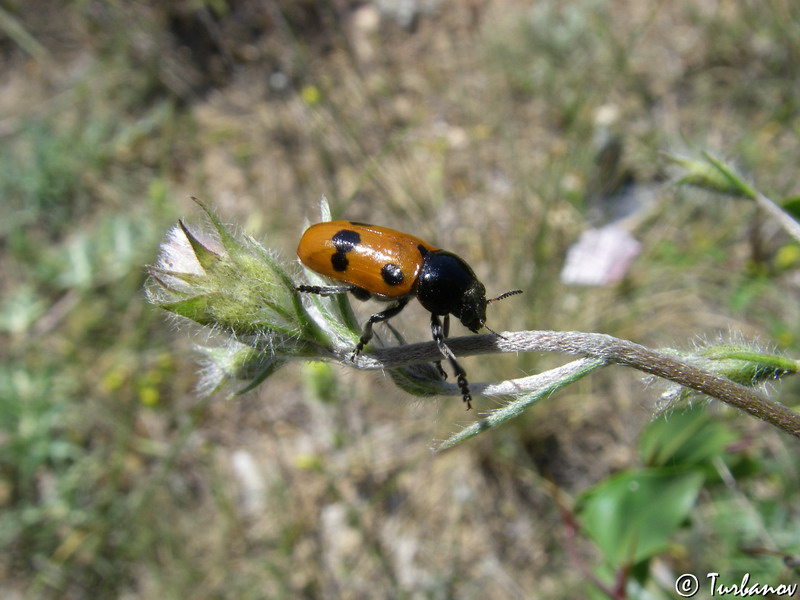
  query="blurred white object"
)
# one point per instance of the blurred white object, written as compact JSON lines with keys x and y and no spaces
{"x":600,"y":257}
{"x":253,"y":488}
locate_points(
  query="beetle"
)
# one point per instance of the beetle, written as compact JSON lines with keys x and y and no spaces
{"x":374,"y":261}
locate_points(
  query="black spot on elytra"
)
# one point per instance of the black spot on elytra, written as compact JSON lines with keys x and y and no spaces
{"x":339,"y":262}
{"x":344,"y":241}
{"x":392,"y":274}
{"x":422,"y":249}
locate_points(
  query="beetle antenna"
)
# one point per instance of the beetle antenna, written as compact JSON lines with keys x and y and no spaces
{"x":504,"y":296}
{"x":501,"y":297}
{"x":502,"y":337}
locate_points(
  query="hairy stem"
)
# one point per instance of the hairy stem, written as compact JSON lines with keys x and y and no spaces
{"x":610,"y":350}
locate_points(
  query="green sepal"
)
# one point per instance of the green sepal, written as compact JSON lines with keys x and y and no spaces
{"x":271,"y":365}
{"x":746,"y":366}
{"x":188,"y":278}
{"x":228,"y":242}
{"x":196,"y":308}
{"x":207,"y":258}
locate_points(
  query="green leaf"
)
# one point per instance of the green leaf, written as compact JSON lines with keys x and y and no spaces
{"x":792,"y":206}
{"x":632,"y":515}
{"x":686,"y":439}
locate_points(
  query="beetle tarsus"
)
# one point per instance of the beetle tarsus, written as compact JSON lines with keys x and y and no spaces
{"x":437,"y":330}
{"x":366,"y":333}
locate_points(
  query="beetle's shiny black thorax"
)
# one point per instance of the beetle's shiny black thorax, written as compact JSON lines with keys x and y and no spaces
{"x":447,"y":285}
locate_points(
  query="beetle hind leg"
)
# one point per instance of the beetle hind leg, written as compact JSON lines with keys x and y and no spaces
{"x":439,"y":334}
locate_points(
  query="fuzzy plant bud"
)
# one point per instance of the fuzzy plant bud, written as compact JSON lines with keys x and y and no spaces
{"x":237,"y":288}
{"x":216,"y":279}
{"x":741,"y":364}
{"x":747,"y":366}
{"x":712,"y":174}
{"x":235,"y":362}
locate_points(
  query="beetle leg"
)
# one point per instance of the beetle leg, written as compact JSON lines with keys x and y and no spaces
{"x":366,"y":334}
{"x":446,"y":331}
{"x":332,"y":290}
{"x":442,"y":372}
{"x":328,"y":290}
{"x":461,"y":375}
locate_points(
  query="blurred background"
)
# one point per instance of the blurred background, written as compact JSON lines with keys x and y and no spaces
{"x":500,"y":130}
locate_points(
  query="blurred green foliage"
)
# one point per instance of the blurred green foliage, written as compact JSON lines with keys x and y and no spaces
{"x":477,"y":127}
{"x":642,"y":513}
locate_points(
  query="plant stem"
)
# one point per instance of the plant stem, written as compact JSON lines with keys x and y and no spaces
{"x":605,"y":347}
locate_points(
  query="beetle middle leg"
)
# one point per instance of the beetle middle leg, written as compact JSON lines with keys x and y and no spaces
{"x":445,"y":333}
{"x":438,"y":332}
{"x":366,"y":333}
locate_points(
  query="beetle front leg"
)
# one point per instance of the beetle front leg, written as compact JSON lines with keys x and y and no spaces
{"x":326,"y":290}
{"x":461,"y":375}
{"x":366,"y":334}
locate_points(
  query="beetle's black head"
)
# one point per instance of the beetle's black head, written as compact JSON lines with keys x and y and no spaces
{"x":447,"y":285}
{"x":473,"y":307}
